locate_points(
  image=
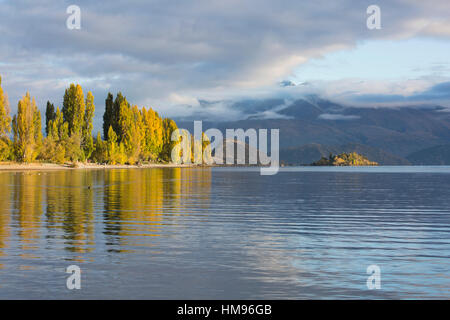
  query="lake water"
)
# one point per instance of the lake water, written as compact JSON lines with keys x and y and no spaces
{"x":226,"y":233}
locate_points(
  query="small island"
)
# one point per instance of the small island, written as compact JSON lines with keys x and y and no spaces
{"x":345,"y":159}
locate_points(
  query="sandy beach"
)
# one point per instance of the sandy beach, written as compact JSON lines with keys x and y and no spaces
{"x":11,"y":166}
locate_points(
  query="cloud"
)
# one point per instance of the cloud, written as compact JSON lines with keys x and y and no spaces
{"x":168,"y":55}
{"x":183,"y":100}
{"x":329,"y":116}
{"x":439,"y":93}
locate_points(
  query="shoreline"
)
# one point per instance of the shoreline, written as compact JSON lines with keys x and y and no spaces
{"x":13,"y":166}
{"x":53,"y":166}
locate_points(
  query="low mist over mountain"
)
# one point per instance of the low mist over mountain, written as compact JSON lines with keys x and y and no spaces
{"x":319,"y":126}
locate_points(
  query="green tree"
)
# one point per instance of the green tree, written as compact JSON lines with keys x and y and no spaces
{"x":59,"y":129}
{"x":37,"y":124}
{"x":169,"y":126}
{"x":5,"y":119}
{"x":74,"y":152}
{"x":111,"y":146}
{"x":108,"y":116}
{"x":56,"y":142}
{"x":27,"y":130}
{"x":100,"y":154}
{"x":132,"y":131}
{"x":74,"y":109}
{"x":122,"y":157}
{"x":50,"y":115}
{"x":5,"y":125}
{"x":6,"y":149}
{"x":152,"y":142}
{"x":59,"y":146}
{"x":87,"y":139}
{"x":120,"y":108}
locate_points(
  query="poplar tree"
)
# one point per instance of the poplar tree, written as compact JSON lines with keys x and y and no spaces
{"x":108,"y":116}
{"x":112,"y":146}
{"x":50,"y":115}
{"x":27,"y":130}
{"x":153,"y":134}
{"x":87,"y":139}
{"x":5,"y":119}
{"x":5,"y":125}
{"x":73,"y":113}
{"x":111,"y":117}
{"x":59,"y":128}
{"x":131,"y":131}
{"x":169,"y":126}
{"x":100,"y":153}
{"x":56,"y":140}
{"x":120,"y":104}
{"x":74,"y":109}
{"x":37,"y":126}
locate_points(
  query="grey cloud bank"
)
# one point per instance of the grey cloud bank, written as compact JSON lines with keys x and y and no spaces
{"x":439,"y":93}
{"x":171,"y":54}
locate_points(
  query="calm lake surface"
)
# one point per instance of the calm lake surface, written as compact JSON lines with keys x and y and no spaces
{"x":226,"y":233}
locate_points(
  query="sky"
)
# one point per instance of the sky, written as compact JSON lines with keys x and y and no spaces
{"x":169,"y":55}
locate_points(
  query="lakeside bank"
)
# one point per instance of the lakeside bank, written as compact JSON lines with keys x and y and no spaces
{"x":52,"y":166}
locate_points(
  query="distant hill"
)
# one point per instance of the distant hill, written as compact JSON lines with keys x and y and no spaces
{"x":309,"y":153}
{"x":438,"y":155}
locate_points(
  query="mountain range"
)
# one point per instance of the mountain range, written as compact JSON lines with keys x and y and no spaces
{"x":312,"y":127}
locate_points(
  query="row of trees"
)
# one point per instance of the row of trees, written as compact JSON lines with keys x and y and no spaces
{"x":131,"y":135}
